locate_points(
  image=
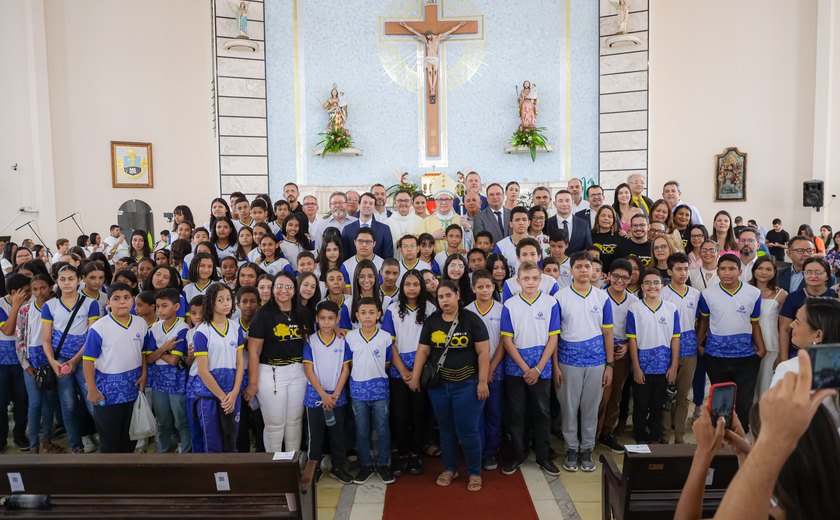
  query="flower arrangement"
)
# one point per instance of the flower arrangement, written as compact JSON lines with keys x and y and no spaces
{"x":335,"y":140}
{"x":404,"y":184}
{"x":530,"y":138}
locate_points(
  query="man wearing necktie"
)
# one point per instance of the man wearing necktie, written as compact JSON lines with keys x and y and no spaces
{"x":495,"y":218}
{"x":637,"y":188}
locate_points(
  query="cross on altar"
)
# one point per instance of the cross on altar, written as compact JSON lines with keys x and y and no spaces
{"x":432,"y":32}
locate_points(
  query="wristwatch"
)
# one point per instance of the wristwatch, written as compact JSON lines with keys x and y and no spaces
{"x":610,"y":363}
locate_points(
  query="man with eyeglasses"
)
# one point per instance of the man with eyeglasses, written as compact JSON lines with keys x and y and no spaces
{"x":637,"y":189}
{"x":472,"y":182}
{"x":656,"y":229}
{"x":595,"y":194}
{"x":747,"y":247}
{"x":403,"y":221}
{"x":352,"y":198}
{"x":791,"y":278}
{"x":338,"y":218}
{"x":364,"y":245}
{"x":637,"y":244}
{"x":310,"y":209}
{"x":444,"y":215}
{"x":384,"y":246}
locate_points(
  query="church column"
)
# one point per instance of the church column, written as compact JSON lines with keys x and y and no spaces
{"x":623,"y":97}
{"x":826,"y":107}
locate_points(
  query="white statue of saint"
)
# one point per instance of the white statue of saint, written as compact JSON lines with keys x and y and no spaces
{"x":623,"y":9}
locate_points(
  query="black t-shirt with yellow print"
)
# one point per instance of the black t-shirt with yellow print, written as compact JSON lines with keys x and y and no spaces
{"x":461,"y":359}
{"x":283,"y":334}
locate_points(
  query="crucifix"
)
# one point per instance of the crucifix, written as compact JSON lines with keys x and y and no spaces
{"x":432,"y":32}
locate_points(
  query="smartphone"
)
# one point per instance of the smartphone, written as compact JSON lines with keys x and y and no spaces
{"x":722,"y":402}
{"x":825,"y":361}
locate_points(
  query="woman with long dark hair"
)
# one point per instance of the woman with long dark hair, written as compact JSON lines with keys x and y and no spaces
{"x":817,"y":278}
{"x":455,"y":270}
{"x":723,"y":233}
{"x":764,"y":273}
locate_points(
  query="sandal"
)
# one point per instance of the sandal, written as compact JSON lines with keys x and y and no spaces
{"x":474,"y":483}
{"x":446,"y":478}
{"x":432,"y":450}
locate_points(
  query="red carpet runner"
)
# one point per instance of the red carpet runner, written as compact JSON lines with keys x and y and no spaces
{"x":418,"y":497}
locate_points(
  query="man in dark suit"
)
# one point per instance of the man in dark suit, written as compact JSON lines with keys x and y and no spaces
{"x":577,"y":228}
{"x":791,"y":278}
{"x":595,"y":195}
{"x":472,"y":182}
{"x":637,"y":197}
{"x":381,"y":232}
{"x":495,"y":218}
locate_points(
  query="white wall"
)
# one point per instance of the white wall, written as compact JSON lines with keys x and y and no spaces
{"x":121,"y":70}
{"x":742,"y":74}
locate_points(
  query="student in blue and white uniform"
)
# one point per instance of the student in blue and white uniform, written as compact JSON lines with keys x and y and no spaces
{"x":365,"y":285}
{"x":115,"y":370}
{"x":218,"y":351}
{"x":223,"y":237}
{"x":166,"y":348}
{"x":201,"y":275}
{"x":584,"y":361}
{"x":620,"y":300}
{"x":93,"y":276}
{"x":409,"y":250}
{"x":529,"y":328}
{"x":653,"y":331}
{"x":686,"y":299}
{"x":12,"y":386}
{"x":528,"y":250}
{"x":372,"y":354}
{"x":364,"y":251}
{"x":195,"y":318}
{"x":729,"y":313}
{"x":55,"y":317}
{"x":404,"y":320}
{"x":271,"y":260}
{"x":490,"y":313}
{"x":507,"y":246}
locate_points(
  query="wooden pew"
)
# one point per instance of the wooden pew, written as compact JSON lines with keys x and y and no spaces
{"x":650,"y":484}
{"x":163,"y":486}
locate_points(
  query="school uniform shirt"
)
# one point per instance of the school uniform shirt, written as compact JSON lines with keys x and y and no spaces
{"x":101,"y":298}
{"x":419,"y":265}
{"x":327,"y":359}
{"x":461,"y":361}
{"x":348,"y":268}
{"x":511,"y":287}
{"x":492,"y":319}
{"x":619,"y":308}
{"x":192,"y":372}
{"x":653,"y":330}
{"x":441,"y":257}
{"x":55,"y":312}
{"x":274,"y":267}
{"x":583,"y":318}
{"x":530,"y":323}
{"x":686,"y":304}
{"x":368,"y":378}
{"x":730,"y":319}
{"x":405,"y":332}
{"x":34,"y":339}
{"x":346,"y":316}
{"x":435,"y":267}
{"x":194,"y":289}
{"x":507,"y":249}
{"x":220,"y":347}
{"x":565,"y":278}
{"x":239,"y":224}
{"x":230,"y":250}
{"x":116,"y":349}
{"x":245,"y":329}
{"x":164,"y":377}
{"x":283,"y":334}
{"x":8,"y":349}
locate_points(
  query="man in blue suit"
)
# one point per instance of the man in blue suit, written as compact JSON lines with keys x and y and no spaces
{"x":576,"y":228}
{"x":791,"y":278}
{"x":384,"y":247}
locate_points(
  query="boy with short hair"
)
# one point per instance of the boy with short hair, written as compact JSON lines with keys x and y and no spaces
{"x":551,"y":268}
{"x":558,"y":242}
{"x":250,"y":416}
{"x":115,"y":369}
{"x":584,"y":361}
{"x":529,"y":327}
{"x":454,"y":244}
{"x":305,"y":262}
{"x":194,"y":319}
{"x":165,"y":349}
{"x":476,"y":260}
{"x":389,"y":274}
{"x":484,"y":241}
{"x":653,"y":333}
{"x":620,"y":300}
{"x":326,"y":363}
{"x":243,"y":210}
{"x":528,"y":250}
{"x":518,"y":231}
{"x":408,"y":247}
{"x":686,"y":300}
{"x":597,"y":274}
{"x":490,"y":312}
{"x":371,"y":354}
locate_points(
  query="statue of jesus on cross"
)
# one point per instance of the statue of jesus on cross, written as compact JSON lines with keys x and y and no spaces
{"x":432,"y":58}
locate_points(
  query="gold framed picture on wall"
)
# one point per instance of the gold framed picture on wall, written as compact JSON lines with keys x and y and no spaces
{"x":131,"y":165}
{"x":731,"y":176}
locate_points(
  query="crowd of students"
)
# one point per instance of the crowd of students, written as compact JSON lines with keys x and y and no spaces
{"x":439,"y":331}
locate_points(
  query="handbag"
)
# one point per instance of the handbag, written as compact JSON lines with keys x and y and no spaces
{"x":430,"y":376}
{"x":45,"y":376}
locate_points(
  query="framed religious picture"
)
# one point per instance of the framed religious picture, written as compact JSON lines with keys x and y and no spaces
{"x":131,"y":165}
{"x":731,"y":176}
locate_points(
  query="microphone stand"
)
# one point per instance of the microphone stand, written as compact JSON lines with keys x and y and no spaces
{"x":73,"y":216}
{"x":29,"y":225}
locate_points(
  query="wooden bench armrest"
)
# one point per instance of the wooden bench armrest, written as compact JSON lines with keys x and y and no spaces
{"x":308,"y":476}
{"x":610,"y":467}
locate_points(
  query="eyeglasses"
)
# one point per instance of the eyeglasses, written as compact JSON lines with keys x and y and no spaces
{"x":364,"y":242}
{"x":697,"y":236}
{"x":636,"y":182}
{"x":403,"y":201}
{"x":538,"y":219}
{"x":657,"y":231}
{"x":803,"y":251}
{"x":747,"y":240}
{"x":620,"y":277}
{"x":814,"y":273}
{"x":281,"y":286}
{"x":652,"y":283}
{"x":443,"y":199}
{"x":310,"y":203}
{"x":638,"y":226}
{"x":661,"y":247}
{"x":708,"y":250}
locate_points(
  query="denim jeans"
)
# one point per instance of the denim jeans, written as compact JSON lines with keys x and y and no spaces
{"x":171,"y":415}
{"x":40,"y":412}
{"x":457,"y":410}
{"x":13,"y":389}
{"x":71,"y":410}
{"x":363,"y":410}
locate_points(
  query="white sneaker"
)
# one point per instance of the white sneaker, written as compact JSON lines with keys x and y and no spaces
{"x":88,"y":444}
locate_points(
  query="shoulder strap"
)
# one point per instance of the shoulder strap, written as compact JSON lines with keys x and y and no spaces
{"x":449,"y":335}
{"x":57,"y":349}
